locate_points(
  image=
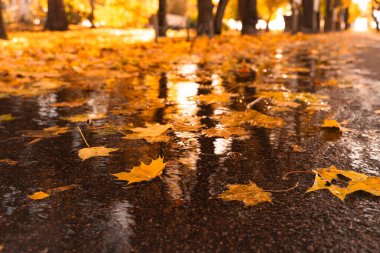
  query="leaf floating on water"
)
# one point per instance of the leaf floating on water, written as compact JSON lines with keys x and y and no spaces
{"x":70,"y":104}
{"x":84,"y":117}
{"x":86,"y":153}
{"x":250,"y":194}
{"x":144,"y":172}
{"x":151,"y":133}
{"x":6,"y":117}
{"x":38,"y":195}
{"x":326,"y":178}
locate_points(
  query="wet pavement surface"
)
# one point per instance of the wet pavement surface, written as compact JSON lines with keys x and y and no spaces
{"x":179,"y":211}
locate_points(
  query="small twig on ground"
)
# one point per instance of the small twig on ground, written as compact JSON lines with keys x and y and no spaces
{"x":254,"y":102}
{"x":80,"y":131}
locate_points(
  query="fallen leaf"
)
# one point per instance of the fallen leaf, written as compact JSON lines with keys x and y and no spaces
{"x":38,"y":195}
{"x":69,"y":104}
{"x":86,"y":153}
{"x":326,"y":178}
{"x":225,"y":132}
{"x":49,"y":132}
{"x":84,"y":117}
{"x":6,"y":117}
{"x":331,"y":123}
{"x":297,"y":149}
{"x":251,"y":117}
{"x":377,"y":111}
{"x":144,"y":172}
{"x":62,"y":188}
{"x":250,"y":194}
{"x":8,"y":161}
{"x":151,"y":133}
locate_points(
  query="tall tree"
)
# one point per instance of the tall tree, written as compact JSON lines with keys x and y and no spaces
{"x":308,"y":15}
{"x":161,"y":15}
{"x":205,"y":18}
{"x":56,"y":16}
{"x":248,"y":16}
{"x":219,"y":16}
{"x":3,"y":34}
{"x":329,"y":11}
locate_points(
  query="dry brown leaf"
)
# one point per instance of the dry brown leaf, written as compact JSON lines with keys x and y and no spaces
{"x":250,"y":194}
{"x":43,"y":195}
{"x":86,"y":153}
{"x":326,"y":178}
{"x":144,"y":172}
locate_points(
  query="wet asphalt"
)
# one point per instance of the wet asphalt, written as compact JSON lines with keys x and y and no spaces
{"x":179,"y":212}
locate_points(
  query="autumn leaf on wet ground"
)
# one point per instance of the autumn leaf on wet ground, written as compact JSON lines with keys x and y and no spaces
{"x":251,"y":117}
{"x":6,"y":117}
{"x":69,"y":104}
{"x":144,"y":172}
{"x":43,"y":195}
{"x":49,"y":132}
{"x":84,"y":117}
{"x":86,"y":153}
{"x":8,"y":161}
{"x":250,"y":194}
{"x":330,"y":179}
{"x":332,"y":124}
{"x":151,"y":133}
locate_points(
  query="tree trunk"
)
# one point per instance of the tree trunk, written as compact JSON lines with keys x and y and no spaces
{"x":56,"y":17}
{"x":205,"y":24}
{"x":162,"y":25}
{"x":91,"y":17}
{"x":308,"y":15}
{"x":219,"y":16}
{"x":3,"y":34}
{"x":329,"y":15}
{"x":248,"y":16}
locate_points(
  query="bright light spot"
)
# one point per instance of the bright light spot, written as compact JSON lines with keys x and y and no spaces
{"x":261,"y":24}
{"x":215,"y":2}
{"x":86,"y":23}
{"x":36,"y":21}
{"x":362,"y":4}
{"x":376,"y":14}
{"x":221,"y":146}
{"x":181,"y":93}
{"x":277,"y":24}
{"x":234,"y":24}
{"x":188,"y":69}
{"x":360,"y":24}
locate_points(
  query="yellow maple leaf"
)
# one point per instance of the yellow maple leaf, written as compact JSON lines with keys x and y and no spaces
{"x":38,"y":195}
{"x":86,"y":153}
{"x":250,"y":194}
{"x":358,"y":182}
{"x":144,"y":172}
{"x":151,"y":133}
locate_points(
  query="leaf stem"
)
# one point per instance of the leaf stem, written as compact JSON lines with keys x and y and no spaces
{"x":285,"y":190}
{"x":80,"y":131}
{"x":285,"y":177}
